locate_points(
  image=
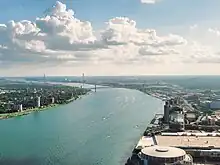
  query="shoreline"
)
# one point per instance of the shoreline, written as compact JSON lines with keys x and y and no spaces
{"x":31,"y":110}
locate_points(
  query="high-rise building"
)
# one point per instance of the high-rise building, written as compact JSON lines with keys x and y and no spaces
{"x":38,"y":101}
{"x":20,"y":108}
{"x":52,"y":100}
{"x":166,"y":112}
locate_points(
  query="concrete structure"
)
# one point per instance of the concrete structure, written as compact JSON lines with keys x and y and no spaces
{"x":38,"y":101}
{"x":192,"y":140}
{"x":145,"y":141}
{"x":191,"y":116}
{"x":177,"y":121}
{"x":160,"y":155}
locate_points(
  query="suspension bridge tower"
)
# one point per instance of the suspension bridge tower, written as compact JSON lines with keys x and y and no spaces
{"x":95,"y":87}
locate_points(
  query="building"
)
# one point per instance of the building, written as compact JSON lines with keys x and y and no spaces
{"x":38,"y":101}
{"x":160,"y":155}
{"x":166,"y":112}
{"x":20,"y":107}
{"x":176,"y":122}
{"x":201,"y":146}
{"x":52,"y":100}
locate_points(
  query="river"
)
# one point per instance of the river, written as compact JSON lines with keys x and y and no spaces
{"x":98,"y":129}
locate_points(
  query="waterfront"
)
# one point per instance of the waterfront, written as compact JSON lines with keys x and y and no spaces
{"x":101,"y":128}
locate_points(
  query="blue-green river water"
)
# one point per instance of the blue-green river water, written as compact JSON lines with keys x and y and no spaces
{"x":98,"y":129}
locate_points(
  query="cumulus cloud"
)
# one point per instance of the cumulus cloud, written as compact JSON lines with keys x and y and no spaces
{"x":58,"y":31}
{"x":123,"y":31}
{"x":59,"y":37}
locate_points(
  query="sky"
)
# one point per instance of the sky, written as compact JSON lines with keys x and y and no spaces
{"x":109,"y":37}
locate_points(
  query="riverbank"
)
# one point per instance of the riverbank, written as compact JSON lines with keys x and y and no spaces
{"x":70,"y":131}
{"x":137,"y":87}
{"x":37,"y":109}
{"x":26,"y":112}
{"x":155,"y":95}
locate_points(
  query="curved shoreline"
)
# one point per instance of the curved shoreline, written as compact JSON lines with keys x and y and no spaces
{"x":31,"y":110}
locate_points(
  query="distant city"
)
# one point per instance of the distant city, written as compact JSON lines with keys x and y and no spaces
{"x":191,"y":103}
{"x":204,"y":95}
{"x":21,"y":96}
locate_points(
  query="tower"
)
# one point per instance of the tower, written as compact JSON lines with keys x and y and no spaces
{"x":83,"y":80}
{"x":95,"y":87}
{"x":44,"y":78}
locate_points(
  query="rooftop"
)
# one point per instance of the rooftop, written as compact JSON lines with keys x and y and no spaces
{"x":188,"y":141}
{"x":163,"y":152}
{"x":145,"y":141}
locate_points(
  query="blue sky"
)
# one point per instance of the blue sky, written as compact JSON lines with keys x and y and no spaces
{"x":164,"y":13}
{"x":120,"y":36}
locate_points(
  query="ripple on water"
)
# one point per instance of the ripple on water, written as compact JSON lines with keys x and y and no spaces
{"x":99,"y":129}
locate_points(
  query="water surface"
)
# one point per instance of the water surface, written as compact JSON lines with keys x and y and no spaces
{"x":98,"y":129}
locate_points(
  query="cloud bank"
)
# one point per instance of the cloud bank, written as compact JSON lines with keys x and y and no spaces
{"x":59,"y":37}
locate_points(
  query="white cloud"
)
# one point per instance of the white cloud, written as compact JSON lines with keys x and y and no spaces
{"x":125,"y":38}
{"x":122,"y":30}
{"x":193,"y":26}
{"x":149,"y":1}
{"x":61,"y":38}
{"x":214,"y":31}
{"x":58,"y":31}
{"x":147,"y":50}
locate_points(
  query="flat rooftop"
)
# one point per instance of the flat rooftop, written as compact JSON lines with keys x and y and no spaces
{"x":188,"y":141}
{"x":145,"y":141}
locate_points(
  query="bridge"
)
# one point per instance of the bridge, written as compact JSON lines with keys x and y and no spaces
{"x":94,"y":87}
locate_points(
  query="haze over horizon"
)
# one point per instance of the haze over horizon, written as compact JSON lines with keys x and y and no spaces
{"x":117,"y":37}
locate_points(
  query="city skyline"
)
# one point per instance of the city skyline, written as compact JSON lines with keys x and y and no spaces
{"x":118,"y":37}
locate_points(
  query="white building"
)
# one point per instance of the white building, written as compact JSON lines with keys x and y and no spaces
{"x":20,"y":108}
{"x":52,"y":100}
{"x":38,"y":101}
{"x":157,"y":155}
